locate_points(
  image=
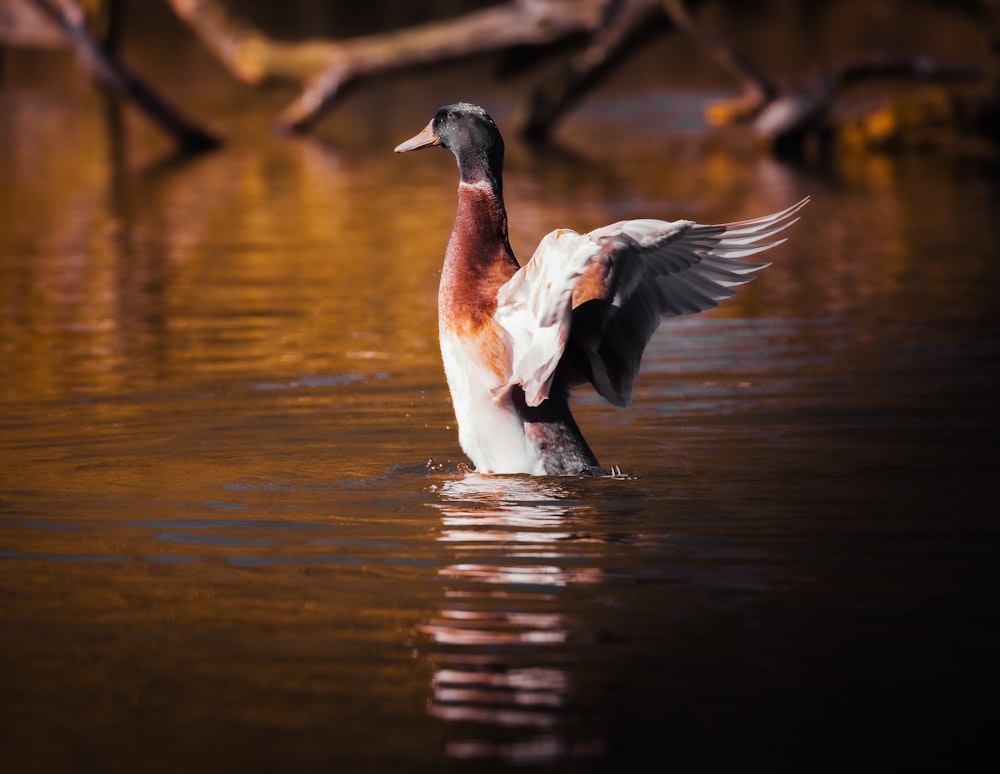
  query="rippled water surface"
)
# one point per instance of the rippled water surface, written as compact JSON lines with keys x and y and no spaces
{"x":235,"y":533}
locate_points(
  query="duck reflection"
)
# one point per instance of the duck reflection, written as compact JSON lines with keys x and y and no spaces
{"x":500,"y":640}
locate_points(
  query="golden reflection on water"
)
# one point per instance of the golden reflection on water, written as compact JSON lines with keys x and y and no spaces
{"x":501,"y":614}
{"x":247,"y":262}
{"x":293,"y":259}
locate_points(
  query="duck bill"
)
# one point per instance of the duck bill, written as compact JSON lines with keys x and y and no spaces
{"x":425,"y":139}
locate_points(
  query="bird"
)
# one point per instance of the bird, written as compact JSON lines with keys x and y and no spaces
{"x":516,"y":339}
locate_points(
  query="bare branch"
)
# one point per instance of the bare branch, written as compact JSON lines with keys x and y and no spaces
{"x":114,"y":75}
{"x":551,"y":101}
{"x":758,"y":89}
{"x":248,"y":54}
{"x":790,"y":116}
{"x":516,"y":23}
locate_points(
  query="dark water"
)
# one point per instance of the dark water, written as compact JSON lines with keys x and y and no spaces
{"x":234,"y":534}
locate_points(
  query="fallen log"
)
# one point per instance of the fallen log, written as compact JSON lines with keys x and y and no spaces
{"x":782,"y":116}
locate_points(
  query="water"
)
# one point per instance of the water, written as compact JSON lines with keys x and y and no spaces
{"x":234,"y":530}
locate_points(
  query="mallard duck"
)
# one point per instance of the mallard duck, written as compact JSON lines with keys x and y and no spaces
{"x":515,"y":339}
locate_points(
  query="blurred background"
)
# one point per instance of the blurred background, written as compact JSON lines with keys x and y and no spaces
{"x":234,"y":529}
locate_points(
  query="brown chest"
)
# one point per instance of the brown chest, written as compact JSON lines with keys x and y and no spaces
{"x":477,"y":263}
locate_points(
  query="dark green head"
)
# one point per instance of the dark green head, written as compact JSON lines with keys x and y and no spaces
{"x":468,"y":132}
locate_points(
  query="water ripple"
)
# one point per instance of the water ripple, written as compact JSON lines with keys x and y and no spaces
{"x":500,"y":632}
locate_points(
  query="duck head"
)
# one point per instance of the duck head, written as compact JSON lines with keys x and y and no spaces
{"x":468,"y":132}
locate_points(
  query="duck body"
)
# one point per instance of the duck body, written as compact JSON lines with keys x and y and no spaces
{"x":498,"y":430}
{"x":515,"y":339}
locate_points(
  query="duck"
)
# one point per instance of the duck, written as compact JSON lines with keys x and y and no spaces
{"x":516,"y":339}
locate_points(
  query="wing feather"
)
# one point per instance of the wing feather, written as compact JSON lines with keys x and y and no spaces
{"x":587,"y":304}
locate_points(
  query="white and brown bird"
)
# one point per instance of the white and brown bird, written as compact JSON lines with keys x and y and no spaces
{"x":515,"y":339}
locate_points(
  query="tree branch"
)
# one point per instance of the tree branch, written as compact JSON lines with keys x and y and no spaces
{"x":758,"y":89}
{"x":516,"y":23}
{"x":249,"y":55}
{"x":538,"y":116}
{"x":790,"y":116}
{"x":115,"y":76}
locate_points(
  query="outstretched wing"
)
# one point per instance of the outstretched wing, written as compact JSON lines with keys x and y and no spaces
{"x":647,"y":270}
{"x":588,"y":304}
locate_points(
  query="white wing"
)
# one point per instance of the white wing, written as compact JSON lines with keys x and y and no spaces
{"x":535,"y":308}
{"x":589,"y":303}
